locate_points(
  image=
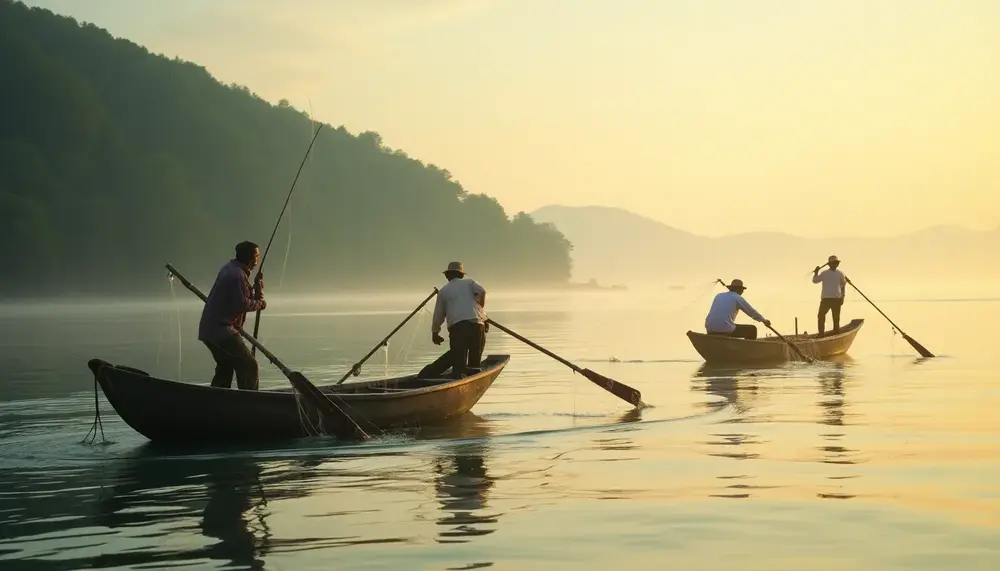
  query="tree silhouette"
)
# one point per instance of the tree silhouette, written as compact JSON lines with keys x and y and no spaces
{"x":114,"y":160}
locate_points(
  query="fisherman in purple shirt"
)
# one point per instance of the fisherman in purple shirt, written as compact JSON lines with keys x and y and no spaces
{"x":224,"y":314}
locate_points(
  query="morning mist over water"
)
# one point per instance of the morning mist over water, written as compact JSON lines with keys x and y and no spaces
{"x":596,"y":166}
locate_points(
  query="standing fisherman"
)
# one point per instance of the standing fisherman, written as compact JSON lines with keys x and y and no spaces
{"x":832,"y":297}
{"x":224,"y":314}
{"x":461,"y":301}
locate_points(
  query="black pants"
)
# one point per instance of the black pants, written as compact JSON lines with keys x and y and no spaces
{"x":829,"y":304}
{"x":742,"y":331}
{"x":438,"y":368}
{"x":466,"y":340}
{"x":232,"y":355}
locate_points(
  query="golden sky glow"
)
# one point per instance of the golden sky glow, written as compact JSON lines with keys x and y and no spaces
{"x":819,"y":117}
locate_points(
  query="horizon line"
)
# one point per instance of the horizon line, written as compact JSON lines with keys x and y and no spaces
{"x":995,"y":229}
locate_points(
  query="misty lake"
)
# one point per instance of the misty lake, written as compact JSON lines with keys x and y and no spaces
{"x":878,"y":460}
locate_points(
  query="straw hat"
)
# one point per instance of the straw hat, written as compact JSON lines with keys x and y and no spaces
{"x":455,"y":267}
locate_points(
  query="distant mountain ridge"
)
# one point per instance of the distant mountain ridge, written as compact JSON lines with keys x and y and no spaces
{"x":616,"y":245}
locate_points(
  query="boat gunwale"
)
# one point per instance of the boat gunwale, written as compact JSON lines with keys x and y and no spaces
{"x":501,"y":362}
{"x":851,"y":328}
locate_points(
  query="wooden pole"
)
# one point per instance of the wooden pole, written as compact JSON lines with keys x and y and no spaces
{"x":356,"y":369}
{"x":263,"y":258}
{"x":333,"y":415}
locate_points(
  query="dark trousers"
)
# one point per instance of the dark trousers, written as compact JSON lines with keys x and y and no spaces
{"x":466,"y":340}
{"x":438,"y":368}
{"x":829,"y":304}
{"x":742,"y":331}
{"x":232,"y":355}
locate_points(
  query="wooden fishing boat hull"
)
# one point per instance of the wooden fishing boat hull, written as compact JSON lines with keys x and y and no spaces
{"x":720,"y":349}
{"x":170,"y":411}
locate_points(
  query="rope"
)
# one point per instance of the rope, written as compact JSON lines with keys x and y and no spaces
{"x":305,"y":422}
{"x":98,"y":425}
{"x":288,"y":246}
{"x":404,"y":351}
{"x":710,"y":287}
{"x":351,"y":418}
{"x":159,"y":334}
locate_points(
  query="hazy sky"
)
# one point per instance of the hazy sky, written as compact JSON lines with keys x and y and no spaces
{"x":818,"y":117}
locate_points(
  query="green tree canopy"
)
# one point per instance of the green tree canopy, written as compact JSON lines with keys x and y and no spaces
{"x":114,"y":161}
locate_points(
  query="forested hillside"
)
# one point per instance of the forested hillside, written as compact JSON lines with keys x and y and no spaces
{"x":114,"y":160}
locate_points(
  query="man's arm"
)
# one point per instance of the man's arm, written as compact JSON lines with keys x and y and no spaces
{"x":817,"y":275}
{"x":749,"y":310}
{"x":843,"y":286}
{"x":242,"y":292}
{"x":439,"y":315}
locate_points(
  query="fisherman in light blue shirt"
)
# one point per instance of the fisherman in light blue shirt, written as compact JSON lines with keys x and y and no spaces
{"x":722,"y":315}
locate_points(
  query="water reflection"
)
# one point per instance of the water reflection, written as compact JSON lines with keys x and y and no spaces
{"x":833,"y":407}
{"x":236,"y":514}
{"x":620,"y":441}
{"x":39,"y":504}
{"x":469,"y":425}
{"x":163,"y":495}
{"x":739,"y":387}
{"x":462,"y":482}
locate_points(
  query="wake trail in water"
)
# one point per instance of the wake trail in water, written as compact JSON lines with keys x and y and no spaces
{"x":49,"y":441}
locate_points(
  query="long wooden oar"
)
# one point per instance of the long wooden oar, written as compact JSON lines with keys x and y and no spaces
{"x":620,"y":390}
{"x":260,"y":267}
{"x":341,"y":421}
{"x":794,"y":347}
{"x":356,"y":369}
{"x":913,"y":342}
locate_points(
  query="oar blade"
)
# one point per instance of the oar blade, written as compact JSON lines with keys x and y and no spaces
{"x":335,"y":420}
{"x":620,"y":390}
{"x":917,"y":346}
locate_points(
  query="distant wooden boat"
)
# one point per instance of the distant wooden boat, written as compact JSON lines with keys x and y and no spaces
{"x":720,"y":349}
{"x":593,"y":285}
{"x":170,"y":411}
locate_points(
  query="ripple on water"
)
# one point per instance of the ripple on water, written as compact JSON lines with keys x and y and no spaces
{"x":872,"y":463}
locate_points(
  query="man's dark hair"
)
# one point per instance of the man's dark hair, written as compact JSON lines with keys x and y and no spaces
{"x":244,"y":251}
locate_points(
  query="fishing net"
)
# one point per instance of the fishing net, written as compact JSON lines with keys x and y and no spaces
{"x":806,"y":347}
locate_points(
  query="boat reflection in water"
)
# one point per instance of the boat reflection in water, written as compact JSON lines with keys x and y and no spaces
{"x":834,"y":417}
{"x":227,"y":493}
{"x":735,"y":440}
{"x":462,"y":481}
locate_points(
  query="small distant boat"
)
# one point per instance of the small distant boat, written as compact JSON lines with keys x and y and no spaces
{"x":170,"y":411}
{"x":593,"y":284}
{"x":720,"y":349}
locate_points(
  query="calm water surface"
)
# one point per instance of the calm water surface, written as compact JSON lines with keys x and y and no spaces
{"x":880,"y":460}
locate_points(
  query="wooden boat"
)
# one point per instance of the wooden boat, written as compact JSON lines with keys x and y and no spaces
{"x":170,"y":411}
{"x":720,"y":349}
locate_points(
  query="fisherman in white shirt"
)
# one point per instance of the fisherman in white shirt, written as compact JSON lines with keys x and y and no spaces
{"x":832,"y":297}
{"x":721,"y":317}
{"x":462,"y":303}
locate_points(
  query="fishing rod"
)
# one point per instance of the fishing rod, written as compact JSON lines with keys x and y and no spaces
{"x":260,"y":267}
